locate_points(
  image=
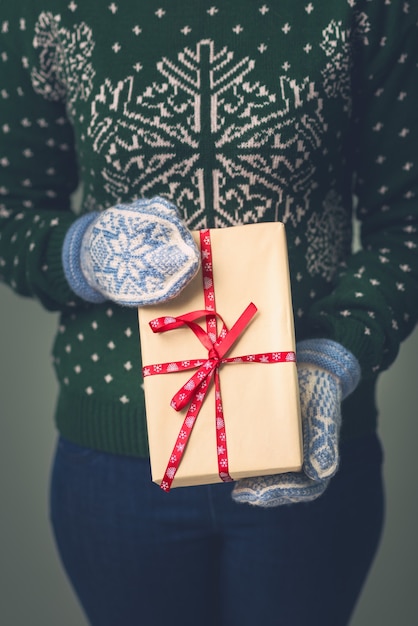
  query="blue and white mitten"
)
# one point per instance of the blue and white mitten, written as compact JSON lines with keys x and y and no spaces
{"x":135,"y":254}
{"x":327,"y":374}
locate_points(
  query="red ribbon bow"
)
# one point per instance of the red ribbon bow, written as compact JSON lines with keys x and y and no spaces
{"x":194,"y":391}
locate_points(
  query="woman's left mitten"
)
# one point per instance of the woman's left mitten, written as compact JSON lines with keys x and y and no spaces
{"x":327,"y":373}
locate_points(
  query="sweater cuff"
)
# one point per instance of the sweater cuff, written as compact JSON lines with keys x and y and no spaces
{"x":45,"y":272}
{"x":332,"y":357}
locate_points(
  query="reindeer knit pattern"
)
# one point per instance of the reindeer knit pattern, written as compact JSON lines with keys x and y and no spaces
{"x":236,"y":112}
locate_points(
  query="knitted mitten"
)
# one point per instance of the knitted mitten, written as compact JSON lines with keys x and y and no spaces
{"x":327,"y":374}
{"x":135,"y":254}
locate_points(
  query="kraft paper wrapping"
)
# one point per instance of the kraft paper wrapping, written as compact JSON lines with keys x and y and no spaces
{"x":260,"y":401}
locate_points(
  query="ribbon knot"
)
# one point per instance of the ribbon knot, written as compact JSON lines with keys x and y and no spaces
{"x":217,"y":348}
{"x":214,"y":355}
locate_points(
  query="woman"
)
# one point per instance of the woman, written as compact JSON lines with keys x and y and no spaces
{"x":192,"y":115}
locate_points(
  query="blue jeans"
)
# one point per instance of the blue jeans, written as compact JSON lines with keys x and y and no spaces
{"x":137,"y":556}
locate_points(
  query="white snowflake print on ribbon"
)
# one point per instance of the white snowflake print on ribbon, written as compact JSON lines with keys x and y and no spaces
{"x":259,"y":142}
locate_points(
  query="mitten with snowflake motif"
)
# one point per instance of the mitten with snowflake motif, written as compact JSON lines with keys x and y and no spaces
{"x":327,"y":374}
{"x":135,"y":254}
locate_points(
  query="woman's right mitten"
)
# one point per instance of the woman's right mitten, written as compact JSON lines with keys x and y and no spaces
{"x":134,"y":254}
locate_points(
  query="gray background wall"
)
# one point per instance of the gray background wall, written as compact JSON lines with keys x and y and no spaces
{"x":33,"y":589}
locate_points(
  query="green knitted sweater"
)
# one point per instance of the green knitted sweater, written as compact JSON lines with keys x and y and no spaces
{"x":238,"y":112}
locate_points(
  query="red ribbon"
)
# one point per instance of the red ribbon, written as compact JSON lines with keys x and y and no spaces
{"x":193,"y":392}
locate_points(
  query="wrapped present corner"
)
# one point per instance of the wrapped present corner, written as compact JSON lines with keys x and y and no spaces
{"x":220,"y":376}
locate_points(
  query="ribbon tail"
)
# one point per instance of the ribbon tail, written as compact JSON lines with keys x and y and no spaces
{"x":184,"y":434}
{"x":228,"y":338}
{"x":190,"y":389}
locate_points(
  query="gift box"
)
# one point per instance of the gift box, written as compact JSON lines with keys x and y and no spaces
{"x":221,"y":395}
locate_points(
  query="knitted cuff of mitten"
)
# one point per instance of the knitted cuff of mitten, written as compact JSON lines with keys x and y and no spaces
{"x":71,"y":259}
{"x":332,"y":357}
